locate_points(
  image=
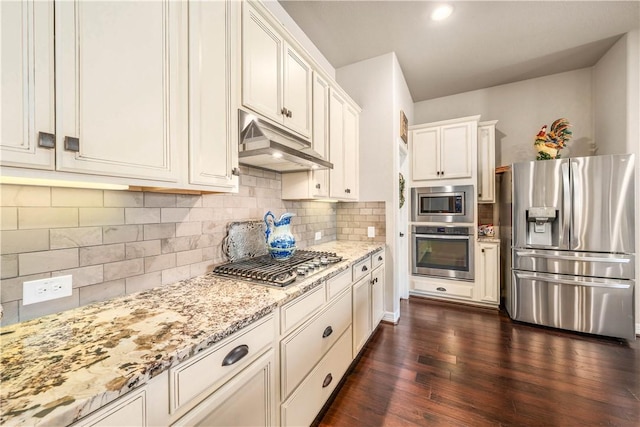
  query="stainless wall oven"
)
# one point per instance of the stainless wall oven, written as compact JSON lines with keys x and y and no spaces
{"x":452,"y":203}
{"x":445,"y":252}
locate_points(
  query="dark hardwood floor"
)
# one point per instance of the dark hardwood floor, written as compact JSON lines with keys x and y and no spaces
{"x":453,"y":365}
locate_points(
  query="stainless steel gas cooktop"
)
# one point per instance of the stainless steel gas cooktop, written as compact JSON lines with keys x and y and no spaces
{"x":265,"y":270}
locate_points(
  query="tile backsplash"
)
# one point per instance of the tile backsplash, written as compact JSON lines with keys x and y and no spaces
{"x":119,"y":242}
{"x":354,"y":218}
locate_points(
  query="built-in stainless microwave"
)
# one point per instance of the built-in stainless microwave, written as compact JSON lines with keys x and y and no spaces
{"x":451,"y":203}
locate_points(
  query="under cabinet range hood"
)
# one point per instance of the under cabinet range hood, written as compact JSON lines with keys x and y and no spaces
{"x":265,"y":146}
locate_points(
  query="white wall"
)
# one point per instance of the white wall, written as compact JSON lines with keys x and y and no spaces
{"x":633,"y":139}
{"x":610,"y":100}
{"x":370,"y":85}
{"x":521,"y":109}
{"x":378,"y":86}
{"x":616,"y":114}
{"x":403,"y":101}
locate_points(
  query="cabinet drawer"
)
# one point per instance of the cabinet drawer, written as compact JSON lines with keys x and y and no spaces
{"x":361,"y":269}
{"x":292,"y":313}
{"x":304,"y":404}
{"x":336,"y":284}
{"x":227,"y":407}
{"x":129,"y":410}
{"x":377,"y":259}
{"x":207,"y":370}
{"x":302,"y":350}
{"x":449,"y":289}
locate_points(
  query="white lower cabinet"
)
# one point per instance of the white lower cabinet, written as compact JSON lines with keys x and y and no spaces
{"x":361,"y":313}
{"x":216,"y":387}
{"x":246,"y":400}
{"x":377,"y":296}
{"x":305,"y":403}
{"x":302,"y":349}
{"x":489,"y":272}
{"x":368,"y":298}
{"x":248,"y":380}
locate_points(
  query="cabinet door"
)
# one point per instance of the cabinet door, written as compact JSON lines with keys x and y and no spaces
{"x":120,"y":88}
{"x":247,"y":400}
{"x":336,"y":145}
{"x":489,"y":272}
{"x":27,"y":84}
{"x":425,"y":154}
{"x":213,"y":136}
{"x":262,"y":49}
{"x":486,"y":163}
{"x":350,"y":130}
{"x":377,"y":296}
{"x":297,"y":83}
{"x":361,"y":313}
{"x":455,"y":158}
{"x":320,"y":179}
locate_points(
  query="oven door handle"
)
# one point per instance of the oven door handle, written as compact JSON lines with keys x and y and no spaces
{"x":443,"y":236}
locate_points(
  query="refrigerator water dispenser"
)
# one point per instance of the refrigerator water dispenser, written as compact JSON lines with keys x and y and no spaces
{"x":542,"y":229}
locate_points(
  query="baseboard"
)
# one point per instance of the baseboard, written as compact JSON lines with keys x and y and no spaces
{"x":391,"y":317}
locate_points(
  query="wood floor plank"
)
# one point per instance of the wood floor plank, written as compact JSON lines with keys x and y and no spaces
{"x":452,"y":365}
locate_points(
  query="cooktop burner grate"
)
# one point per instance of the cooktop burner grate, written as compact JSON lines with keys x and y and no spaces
{"x":265,"y":269}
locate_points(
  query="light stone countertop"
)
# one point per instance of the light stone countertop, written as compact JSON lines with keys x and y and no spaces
{"x":59,"y":368}
{"x":488,"y":239}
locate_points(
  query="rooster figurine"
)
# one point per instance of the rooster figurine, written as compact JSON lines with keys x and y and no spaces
{"x":549,"y":144}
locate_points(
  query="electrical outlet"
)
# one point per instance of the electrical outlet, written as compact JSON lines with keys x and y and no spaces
{"x":318,"y":235}
{"x":371,"y":232}
{"x":47,"y":289}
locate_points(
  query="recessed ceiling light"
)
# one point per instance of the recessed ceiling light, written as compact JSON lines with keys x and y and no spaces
{"x":277,"y":155}
{"x":441,"y":12}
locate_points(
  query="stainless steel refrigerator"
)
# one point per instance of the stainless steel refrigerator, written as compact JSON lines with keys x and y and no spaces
{"x":573,"y":244}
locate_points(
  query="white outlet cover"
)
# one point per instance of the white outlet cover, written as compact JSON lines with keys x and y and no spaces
{"x":371,"y":232}
{"x":35,"y":291}
{"x":318,"y":235}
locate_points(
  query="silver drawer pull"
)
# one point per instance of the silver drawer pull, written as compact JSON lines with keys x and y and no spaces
{"x":327,"y":380}
{"x":72,"y":144}
{"x":46,"y":140}
{"x":441,"y":289}
{"x":235,"y":355}
{"x":328,"y":331}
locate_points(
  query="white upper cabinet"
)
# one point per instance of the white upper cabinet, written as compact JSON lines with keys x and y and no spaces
{"x":320,"y":178}
{"x":213,"y":128}
{"x":486,"y":161}
{"x":313,"y":184}
{"x":444,"y":150}
{"x":276,"y":80}
{"x":120,"y":88}
{"x":344,"y":140}
{"x":27,"y":123}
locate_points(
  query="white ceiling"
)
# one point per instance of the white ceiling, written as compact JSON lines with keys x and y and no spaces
{"x":482,"y":44}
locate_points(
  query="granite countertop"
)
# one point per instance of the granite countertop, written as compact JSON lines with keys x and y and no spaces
{"x":59,"y":368}
{"x":488,"y":239}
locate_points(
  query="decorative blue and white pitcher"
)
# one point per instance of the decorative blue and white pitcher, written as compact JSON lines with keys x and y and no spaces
{"x":280,"y":241}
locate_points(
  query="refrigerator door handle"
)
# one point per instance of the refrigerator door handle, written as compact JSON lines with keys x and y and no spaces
{"x":567,"y":206}
{"x":573,"y":258}
{"x":613,"y":284}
